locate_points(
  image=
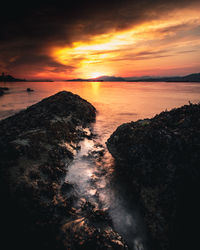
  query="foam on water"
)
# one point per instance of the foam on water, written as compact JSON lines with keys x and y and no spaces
{"x":92,"y":180}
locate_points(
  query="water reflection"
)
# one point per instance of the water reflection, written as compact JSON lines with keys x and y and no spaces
{"x":116,"y":102}
{"x":95,"y":87}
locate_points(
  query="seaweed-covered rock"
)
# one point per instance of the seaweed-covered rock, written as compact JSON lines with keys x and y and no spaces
{"x":36,"y":146}
{"x":160,"y":161}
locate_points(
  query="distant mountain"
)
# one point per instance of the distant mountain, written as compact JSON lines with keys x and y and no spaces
{"x":78,"y":80}
{"x":9,"y":78}
{"x":40,"y":80}
{"x":132,"y":78}
{"x":109,"y":79}
{"x":99,"y":79}
{"x":188,"y":78}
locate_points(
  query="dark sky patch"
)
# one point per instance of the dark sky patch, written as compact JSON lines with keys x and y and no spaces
{"x":29,"y":28}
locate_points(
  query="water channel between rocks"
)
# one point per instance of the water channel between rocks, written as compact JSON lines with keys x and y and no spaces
{"x":91,"y":174}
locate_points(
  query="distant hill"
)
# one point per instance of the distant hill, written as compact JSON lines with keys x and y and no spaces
{"x":9,"y":78}
{"x":188,"y":78}
{"x":99,"y":79}
{"x":39,"y":80}
{"x":78,"y":80}
{"x":133,"y":78}
{"x":109,"y":79}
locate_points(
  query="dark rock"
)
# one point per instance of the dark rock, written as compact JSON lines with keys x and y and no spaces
{"x":2,"y":90}
{"x":66,"y":188}
{"x":29,"y":90}
{"x":160,"y":160}
{"x":36,"y":146}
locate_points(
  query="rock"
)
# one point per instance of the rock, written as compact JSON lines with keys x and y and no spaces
{"x":29,"y":90}
{"x":92,"y":231}
{"x":159,"y":159}
{"x":66,"y":188}
{"x":2,"y":90}
{"x":36,"y":146}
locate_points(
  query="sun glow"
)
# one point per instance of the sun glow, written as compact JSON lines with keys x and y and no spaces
{"x":88,"y":57}
{"x":146,"y":46}
{"x":95,"y":74}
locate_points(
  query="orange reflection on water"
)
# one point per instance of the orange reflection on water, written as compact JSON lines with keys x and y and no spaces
{"x":95,"y":88}
{"x":116,"y":102}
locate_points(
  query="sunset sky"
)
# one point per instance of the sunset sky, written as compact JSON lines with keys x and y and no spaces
{"x":73,"y":39}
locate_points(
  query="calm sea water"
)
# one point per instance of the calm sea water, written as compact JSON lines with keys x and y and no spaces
{"x":116,"y":103}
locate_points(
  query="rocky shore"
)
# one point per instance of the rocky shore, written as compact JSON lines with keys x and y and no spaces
{"x":36,"y":147}
{"x":3,"y":90}
{"x":159,"y":161}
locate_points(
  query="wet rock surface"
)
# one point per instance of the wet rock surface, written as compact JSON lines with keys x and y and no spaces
{"x":159,"y":161}
{"x":36,"y":147}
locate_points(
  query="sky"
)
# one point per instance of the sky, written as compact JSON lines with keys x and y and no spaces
{"x":89,"y":38}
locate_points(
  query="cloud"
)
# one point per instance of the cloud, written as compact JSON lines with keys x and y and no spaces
{"x":31,"y":29}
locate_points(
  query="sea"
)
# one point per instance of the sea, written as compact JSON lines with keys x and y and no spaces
{"x":116,"y":102}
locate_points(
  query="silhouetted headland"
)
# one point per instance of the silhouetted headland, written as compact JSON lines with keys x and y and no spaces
{"x":9,"y":78}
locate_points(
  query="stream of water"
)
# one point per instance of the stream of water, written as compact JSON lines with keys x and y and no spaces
{"x":91,"y":175}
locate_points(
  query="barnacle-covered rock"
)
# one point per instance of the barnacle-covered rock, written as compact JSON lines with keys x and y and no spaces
{"x":160,"y":159}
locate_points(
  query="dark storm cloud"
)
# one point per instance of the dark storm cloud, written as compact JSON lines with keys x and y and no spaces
{"x":29,"y":28}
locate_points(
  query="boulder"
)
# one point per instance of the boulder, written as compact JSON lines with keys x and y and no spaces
{"x":2,"y":90}
{"x":36,"y":147}
{"x":29,"y":90}
{"x":159,"y":159}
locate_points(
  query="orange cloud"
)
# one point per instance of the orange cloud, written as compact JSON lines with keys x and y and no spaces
{"x":162,"y":44}
{"x":87,"y":38}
